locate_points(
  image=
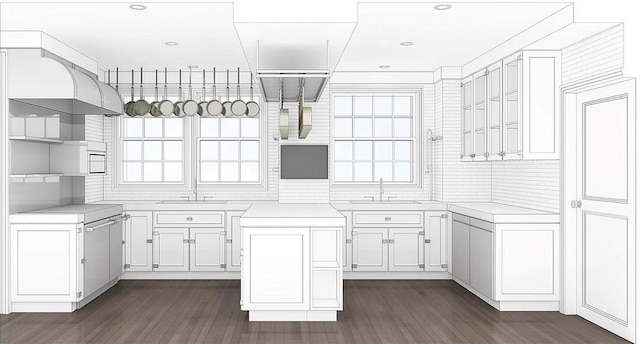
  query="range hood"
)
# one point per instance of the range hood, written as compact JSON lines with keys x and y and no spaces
{"x":39,"y":78}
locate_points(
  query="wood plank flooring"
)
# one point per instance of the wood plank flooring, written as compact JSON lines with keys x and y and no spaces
{"x":375,"y":312}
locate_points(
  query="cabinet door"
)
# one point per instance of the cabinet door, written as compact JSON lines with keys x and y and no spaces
{"x":233,"y":240}
{"x":171,"y":249}
{"x":481,"y":260}
{"x":347,"y":250}
{"x":541,"y":104}
{"x":480,"y":117}
{"x":406,"y":249}
{"x":467,"y":119}
{"x":115,"y":250}
{"x":494,"y":111}
{"x":435,"y":241}
{"x":138,"y":237}
{"x":275,"y":270}
{"x":370,"y":249}
{"x":512,"y":107}
{"x":460,"y":248}
{"x":206,"y":249}
{"x":96,"y":258}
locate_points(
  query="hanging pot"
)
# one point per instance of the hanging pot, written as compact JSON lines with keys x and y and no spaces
{"x":190,"y":106}
{"x":227,"y":104}
{"x":239,"y":107}
{"x":165,"y":106}
{"x":178,"y":106}
{"x":128,"y":107}
{"x":141,"y":106}
{"x":253,"y":108}
{"x":154,"y":109}
{"x":202,"y":106}
{"x":214,"y":107}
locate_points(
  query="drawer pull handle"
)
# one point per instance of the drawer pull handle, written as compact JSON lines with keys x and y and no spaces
{"x":388,"y":218}
{"x":189,"y":218}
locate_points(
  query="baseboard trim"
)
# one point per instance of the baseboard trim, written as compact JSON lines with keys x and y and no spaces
{"x":396,"y":275}
{"x":180,"y":275}
{"x":293,"y":316}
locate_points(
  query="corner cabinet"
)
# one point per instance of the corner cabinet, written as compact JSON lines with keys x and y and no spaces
{"x":511,"y":109}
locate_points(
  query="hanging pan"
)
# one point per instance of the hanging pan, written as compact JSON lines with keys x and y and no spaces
{"x":227,"y":104}
{"x":178,"y":106}
{"x":128,"y":107}
{"x":141,"y":106}
{"x":214,"y":107}
{"x":202,"y":106}
{"x":253,"y":109}
{"x":239,"y":107}
{"x":165,"y":106}
{"x":190,"y":106}
{"x":154,"y":109}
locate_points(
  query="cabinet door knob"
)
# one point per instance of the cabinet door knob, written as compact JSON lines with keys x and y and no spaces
{"x":189,"y":218}
{"x":388,"y":218}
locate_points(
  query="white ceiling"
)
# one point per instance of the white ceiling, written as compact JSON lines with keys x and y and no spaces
{"x":442,"y":38}
{"x":116,"y":36}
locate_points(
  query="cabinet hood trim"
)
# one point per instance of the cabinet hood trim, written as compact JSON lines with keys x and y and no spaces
{"x":36,"y":77}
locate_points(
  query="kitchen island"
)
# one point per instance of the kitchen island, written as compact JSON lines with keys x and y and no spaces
{"x":291,"y":262}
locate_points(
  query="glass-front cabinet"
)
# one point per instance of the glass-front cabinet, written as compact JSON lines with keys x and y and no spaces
{"x":511,"y":109}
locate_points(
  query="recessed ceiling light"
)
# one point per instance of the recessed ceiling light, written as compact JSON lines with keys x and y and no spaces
{"x":442,"y":7}
{"x":406,"y":44}
{"x":137,"y":7}
{"x":171,"y":44}
{"x":383,"y":66}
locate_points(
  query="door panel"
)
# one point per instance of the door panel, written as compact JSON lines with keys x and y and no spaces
{"x":171,"y":249}
{"x":605,"y":206}
{"x":96,"y":255}
{"x":233,"y":241}
{"x":370,"y":249}
{"x":207,"y":249}
{"x":481,"y":260}
{"x":115,"y":250}
{"x":435,"y":247}
{"x":460,"y":248}
{"x":406,"y":249}
{"x":138,"y":236}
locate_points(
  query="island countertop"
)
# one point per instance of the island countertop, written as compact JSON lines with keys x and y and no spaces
{"x":292,"y":214}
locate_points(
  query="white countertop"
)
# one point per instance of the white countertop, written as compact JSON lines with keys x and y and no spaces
{"x":72,"y":213}
{"x":502,"y":213}
{"x":292,"y":214}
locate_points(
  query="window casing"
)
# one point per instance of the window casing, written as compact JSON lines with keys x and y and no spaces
{"x":374,"y":136}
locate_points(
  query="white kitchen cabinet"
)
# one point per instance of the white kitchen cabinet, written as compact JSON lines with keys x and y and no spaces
{"x":138,"y":241}
{"x":171,"y":249}
{"x":96,"y":257}
{"x":370,"y":249}
{"x":435,"y":241}
{"x":347,"y":250}
{"x":511,"y":109}
{"x":207,"y":249}
{"x":481,"y":257}
{"x":460,"y":248}
{"x":116,"y":244}
{"x":406,"y":249}
{"x":233,"y":240}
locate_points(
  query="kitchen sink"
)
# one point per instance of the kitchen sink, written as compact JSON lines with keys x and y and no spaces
{"x":192,"y":202}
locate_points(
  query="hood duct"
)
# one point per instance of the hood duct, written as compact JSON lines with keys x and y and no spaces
{"x":272,"y":81}
{"x":38,"y":78}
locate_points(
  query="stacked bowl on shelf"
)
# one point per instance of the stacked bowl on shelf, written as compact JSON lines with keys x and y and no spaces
{"x":140,"y":107}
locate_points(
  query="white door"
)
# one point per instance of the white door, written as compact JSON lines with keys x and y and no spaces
{"x":171,"y":249}
{"x":406,"y":249}
{"x":605,"y":207}
{"x":275,"y":270}
{"x":207,"y":249}
{"x":435,"y":241}
{"x":138,"y":241}
{"x":370,"y":249}
{"x":233,"y":240}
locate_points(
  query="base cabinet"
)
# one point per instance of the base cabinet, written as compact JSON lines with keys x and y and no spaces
{"x":206,"y":249}
{"x":138,"y":241}
{"x":460,"y":250}
{"x":481,"y":260}
{"x":370,"y":249}
{"x":406,"y":249}
{"x":233,"y":240}
{"x":435,"y":241}
{"x":171,"y":249}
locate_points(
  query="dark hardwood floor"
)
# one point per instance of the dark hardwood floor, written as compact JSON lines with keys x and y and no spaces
{"x":375,"y":312}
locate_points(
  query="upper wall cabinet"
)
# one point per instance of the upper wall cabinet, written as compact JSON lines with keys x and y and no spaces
{"x":511,"y":109}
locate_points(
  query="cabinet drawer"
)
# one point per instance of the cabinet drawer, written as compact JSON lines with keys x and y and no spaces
{"x":384,"y":219}
{"x":208,"y":218}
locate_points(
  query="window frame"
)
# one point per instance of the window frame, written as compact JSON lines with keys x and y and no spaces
{"x":415,"y":138}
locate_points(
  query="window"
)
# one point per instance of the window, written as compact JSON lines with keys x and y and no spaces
{"x":229,"y":150}
{"x":373,"y":138}
{"x":152,"y":150}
